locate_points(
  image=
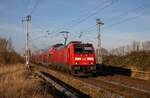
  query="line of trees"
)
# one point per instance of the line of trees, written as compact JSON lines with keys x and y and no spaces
{"x":7,"y":52}
{"x":136,"y":54}
{"x":124,"y":50}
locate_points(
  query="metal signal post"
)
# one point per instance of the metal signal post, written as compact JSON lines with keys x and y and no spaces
{"x":99,"y":48}
{"x":27,"y":52}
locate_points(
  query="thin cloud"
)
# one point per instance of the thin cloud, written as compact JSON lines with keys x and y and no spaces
{"x":107,"y":3}
{"x":144,"y":16}
{"x":8,"y":28}
{"x":2,"y":7}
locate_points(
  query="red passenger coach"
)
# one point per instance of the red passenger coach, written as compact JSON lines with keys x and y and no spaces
{"x":40,"y":56}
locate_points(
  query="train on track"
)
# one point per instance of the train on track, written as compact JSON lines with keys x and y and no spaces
{"x":75,"y":57}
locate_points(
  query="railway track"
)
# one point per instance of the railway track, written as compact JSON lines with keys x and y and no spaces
{"x":62,"y":87}
{"x":105,"y":84}
{"x":124,"y":84}
{"x":128,"y":82}
{"x":118,"y":88}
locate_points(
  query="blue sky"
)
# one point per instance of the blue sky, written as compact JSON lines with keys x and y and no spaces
{"x":124,"y":21}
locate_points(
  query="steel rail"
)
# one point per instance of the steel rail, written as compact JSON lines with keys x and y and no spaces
{"x":144,"y":72}
{"x":92,"y":87}
{"x":123,"y":85}
{"x":58,"y":86}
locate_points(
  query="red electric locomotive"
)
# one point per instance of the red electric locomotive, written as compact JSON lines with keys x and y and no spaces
{"x":76,"y":57}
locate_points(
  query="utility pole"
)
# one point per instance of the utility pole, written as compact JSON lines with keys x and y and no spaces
{"x":99,"y":47}
{"x":27,"y":52}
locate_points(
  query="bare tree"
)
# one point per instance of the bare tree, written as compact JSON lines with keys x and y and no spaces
{"x":121,"y":50}
{"x":135,"y":46}
{"x":146,"y":45}
{"x":114,"y":52}
{"x":3,"y":45}
{"x":6,"y":45}
{"x":5,"y":49}
{"x":104,"y":52}
{"x":128,"y":49}
{"x":10,"y":46}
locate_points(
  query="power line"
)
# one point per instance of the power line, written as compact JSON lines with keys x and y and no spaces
{"x":145,"y":5}
{"x":128,"y":19}
{"x":123,"y":21}
{"x":85,"y":31}
{"x":34,"y":8}
{"x":86,"y":11}
{"x":141,"y":7}
{"x":99,"y":8}
{"x":43,"y":36}
{"x":90,"y":15}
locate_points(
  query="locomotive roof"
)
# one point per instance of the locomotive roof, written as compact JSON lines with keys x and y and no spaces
{"x":45,"y":50}
{"x":63,"y":46}
{"x":74,"y":42}
{"x":60,"y":47}
{"x":57,"y":45}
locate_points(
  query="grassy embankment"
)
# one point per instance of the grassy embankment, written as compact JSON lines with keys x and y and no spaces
{"x":139,"y":60}
{"x":15,"y":80}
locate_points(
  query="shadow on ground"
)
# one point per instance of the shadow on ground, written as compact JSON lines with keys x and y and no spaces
{"x":105,"y":70}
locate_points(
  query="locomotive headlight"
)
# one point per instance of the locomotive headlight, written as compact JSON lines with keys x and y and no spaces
{"x":90,"y":58}
{"x":90,"y":62}
{"x":77,"y":58}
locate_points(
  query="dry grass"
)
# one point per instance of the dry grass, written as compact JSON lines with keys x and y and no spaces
{"x":7,"y":53}
{"x":86,"y":88}
{"x":139,"y":59}
{"x":16,"y":81}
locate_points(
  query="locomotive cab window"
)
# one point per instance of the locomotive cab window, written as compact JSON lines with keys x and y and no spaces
{"x":79,"y":48}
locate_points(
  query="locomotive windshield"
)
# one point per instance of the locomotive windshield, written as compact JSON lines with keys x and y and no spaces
{"x":78,"y":48}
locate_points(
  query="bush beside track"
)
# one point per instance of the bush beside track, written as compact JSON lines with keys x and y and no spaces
{"x":138,"y":59}
{"x":7,"y":53}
